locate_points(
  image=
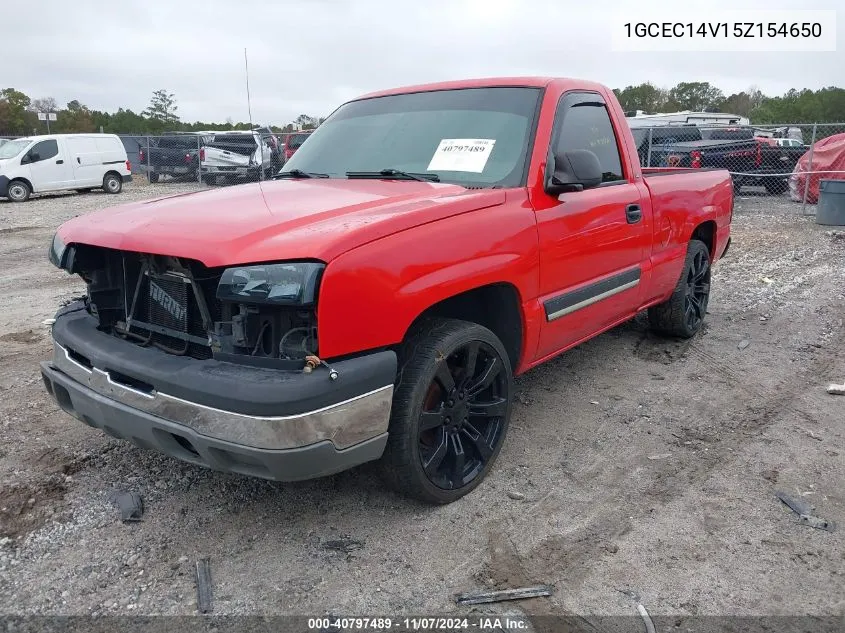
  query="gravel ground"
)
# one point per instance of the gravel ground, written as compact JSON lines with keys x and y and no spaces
{"x":636,"y":469}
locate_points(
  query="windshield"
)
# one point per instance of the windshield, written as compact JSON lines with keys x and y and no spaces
{"x":13,"y":148}
{"x":475,"y":136}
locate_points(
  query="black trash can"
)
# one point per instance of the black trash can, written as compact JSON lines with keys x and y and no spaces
{"x":831,"y":207}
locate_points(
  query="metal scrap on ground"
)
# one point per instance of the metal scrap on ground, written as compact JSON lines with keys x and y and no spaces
{"x":480,"y":597}
{"x":803,"y":510}
{"x":204,"y":585}
{"x":130,"y":504}
{"x":836,"y":390}
{"x":649,"y":625}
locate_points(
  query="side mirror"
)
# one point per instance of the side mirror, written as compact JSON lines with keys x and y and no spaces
{"x":573,"y":171}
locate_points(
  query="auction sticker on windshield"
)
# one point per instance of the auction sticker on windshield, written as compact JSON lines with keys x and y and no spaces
{"x":462,"y":154}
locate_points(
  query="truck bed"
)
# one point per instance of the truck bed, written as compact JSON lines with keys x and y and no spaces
{"x":674,"y":192}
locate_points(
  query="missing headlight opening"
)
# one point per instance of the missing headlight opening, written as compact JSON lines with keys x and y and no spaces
{"x":172,"y":304}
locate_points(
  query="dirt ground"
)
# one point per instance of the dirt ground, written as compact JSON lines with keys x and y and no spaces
{"x":636,"y":470}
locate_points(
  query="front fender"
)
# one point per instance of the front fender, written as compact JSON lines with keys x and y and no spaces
{"x":370,"y":296}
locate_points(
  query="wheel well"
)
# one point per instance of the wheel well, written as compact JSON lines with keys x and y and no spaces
{"x":496,"y":307}
{"x":112,"y":172}
{"x":23,"y":180}
{"x":706,"y":232}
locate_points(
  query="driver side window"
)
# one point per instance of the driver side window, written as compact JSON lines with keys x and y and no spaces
{"x":586,"y":125}
{"x":43,"y":151}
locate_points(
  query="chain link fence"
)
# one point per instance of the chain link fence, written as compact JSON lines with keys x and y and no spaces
{"x":213,"y":158}
{"x":775,"y":159}
{"x":786,"y":159}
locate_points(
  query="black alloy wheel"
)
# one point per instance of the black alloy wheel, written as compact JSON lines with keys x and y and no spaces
{"x":698,"y":290}
{"x":462,"y":422}
{"x":450,"y":412}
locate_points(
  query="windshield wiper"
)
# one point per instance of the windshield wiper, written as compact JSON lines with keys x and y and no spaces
{"x":298,"y":173}
{"x":394,"y":173}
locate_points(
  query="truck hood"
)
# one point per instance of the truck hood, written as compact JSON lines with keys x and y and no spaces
{"x":285,"y":219}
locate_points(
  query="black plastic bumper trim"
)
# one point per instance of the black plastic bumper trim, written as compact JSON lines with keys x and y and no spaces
{"x":221,"y":385}
{"x":151,"y":432}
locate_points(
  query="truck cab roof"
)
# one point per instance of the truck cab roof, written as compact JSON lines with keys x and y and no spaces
{"x":490,"y":82}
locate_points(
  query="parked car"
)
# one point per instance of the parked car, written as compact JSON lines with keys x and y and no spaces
{"x":293,"y":142}
{"x":236,"y":156}
{"x":375,"y":300}
{"x":828,"y":163}
{"x":275,"y":144}
{"x":750,"y":159}
{"x":55,"y":162}
{"x":174,"y":154}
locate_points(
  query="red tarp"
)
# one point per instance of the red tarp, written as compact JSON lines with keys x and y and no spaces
{"x":828,"y":155}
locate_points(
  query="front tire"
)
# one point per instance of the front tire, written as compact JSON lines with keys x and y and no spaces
{"x":112,"y":183}
{"x":152,"y":177}
{"x":18,"y":191}
{"x":450,"y":413}
{"x":682,"y":315}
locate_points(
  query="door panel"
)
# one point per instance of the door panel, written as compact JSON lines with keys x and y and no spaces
{"x":590,"y":263}
{"x":87,"y":161}
{"x":593,"y":243}
{"x":51,"y":171}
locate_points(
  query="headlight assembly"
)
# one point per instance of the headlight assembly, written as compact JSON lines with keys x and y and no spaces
{"x":57,"y":251}
{"x":290,"y":284}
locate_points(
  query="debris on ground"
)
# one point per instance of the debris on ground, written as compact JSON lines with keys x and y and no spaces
{"x":660,"y":456}
{"x":836,"y":390}
{"x":771,"y":475}
{"x":630,"y":593}
{"x":744,"y":343}
{"x":516,"y":496}
{"x":344,"y":544}
{"x":204,"y":585}
{"x":481,"y":597}
{"x":649,"y":625}
{"x":130,"y":504}
{"x":767,"y":280}
{"x":803,"y":510}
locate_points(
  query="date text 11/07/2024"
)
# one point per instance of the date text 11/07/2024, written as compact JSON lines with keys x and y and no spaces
{"x":723,"y":29}
{"x":481,"y":624}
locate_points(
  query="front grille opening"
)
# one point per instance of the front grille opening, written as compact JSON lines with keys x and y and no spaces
{"x":186,"y":444}
{"x":132,"y":383}
{"x":266,"y":341}
{"x":79,"y":358}
{"x":63,"y":398}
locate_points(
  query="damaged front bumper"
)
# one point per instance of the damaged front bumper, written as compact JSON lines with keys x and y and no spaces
{"x":275,"y":424}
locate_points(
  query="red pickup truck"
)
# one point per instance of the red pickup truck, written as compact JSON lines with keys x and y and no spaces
{"x":375,"y":300}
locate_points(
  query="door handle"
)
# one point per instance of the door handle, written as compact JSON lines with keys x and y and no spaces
{"x":633,"y":213}
{"x":60,"y":162}
{"x":78,"y":160}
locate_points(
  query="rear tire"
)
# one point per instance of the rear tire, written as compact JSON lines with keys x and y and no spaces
{"x":450,"y":411}
{"x":112,"y":183}
{"x":682,"y":315}
{"x":18,"y":191}
{"x":775,"y":186}
{"x":152,"y":177}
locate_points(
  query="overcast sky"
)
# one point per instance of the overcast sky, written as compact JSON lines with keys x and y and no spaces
{"x":311,"y":55}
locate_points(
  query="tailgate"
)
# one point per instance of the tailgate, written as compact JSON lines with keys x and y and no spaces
{"x":215,"y":156}
{"x":166,"y":157}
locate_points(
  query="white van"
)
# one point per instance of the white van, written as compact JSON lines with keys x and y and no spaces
{"x":54,"y":162}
